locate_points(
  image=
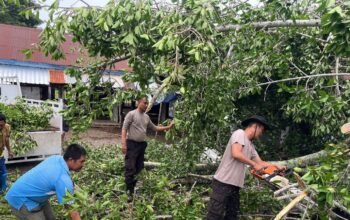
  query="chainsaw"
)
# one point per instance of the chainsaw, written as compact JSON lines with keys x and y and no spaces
{"x":272,"y":176}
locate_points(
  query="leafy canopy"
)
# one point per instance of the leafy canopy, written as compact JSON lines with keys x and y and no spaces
{"x":285,"y":74}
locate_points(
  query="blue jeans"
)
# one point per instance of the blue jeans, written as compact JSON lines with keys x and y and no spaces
{"x":3,"y":175}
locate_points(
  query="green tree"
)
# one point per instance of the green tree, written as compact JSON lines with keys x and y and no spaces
{"x":285,"y":72}
{"x":223,"y":76}
{"x":12,"y":12}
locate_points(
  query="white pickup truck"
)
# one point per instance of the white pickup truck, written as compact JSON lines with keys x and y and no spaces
{"x":49,"y":142}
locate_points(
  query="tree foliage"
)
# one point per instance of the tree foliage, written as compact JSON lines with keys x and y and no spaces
{"x":330,"y":179}
{"x":222,"y":76}
{"x":16,"y":12}
{"x":24,"y":118}
{"x":287,"y":74}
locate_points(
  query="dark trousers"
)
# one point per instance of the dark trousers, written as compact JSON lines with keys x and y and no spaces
{"x":3,"y":175}
{"x":224,"y":202}
{"x":134,"y":162}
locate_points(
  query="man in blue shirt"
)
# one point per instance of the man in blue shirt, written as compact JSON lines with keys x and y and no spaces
{"x":29,"y":195}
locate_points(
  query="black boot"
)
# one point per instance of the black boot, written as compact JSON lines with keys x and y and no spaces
{"x":130,"y":192}
{"x":134,"y":184}
{"x":130,"y":195}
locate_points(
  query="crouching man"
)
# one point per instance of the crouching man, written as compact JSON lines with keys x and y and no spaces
{"x":29,"y":195}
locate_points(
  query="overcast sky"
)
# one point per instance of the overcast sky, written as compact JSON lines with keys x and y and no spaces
{"x":70,"y":3}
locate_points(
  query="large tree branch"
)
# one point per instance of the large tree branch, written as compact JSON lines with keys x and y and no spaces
{"x":304,"y":160}
{"x":304,"y":77}
{"x":103,"y":65}
{"x":158,"y":92}
{"x":272,"y":24}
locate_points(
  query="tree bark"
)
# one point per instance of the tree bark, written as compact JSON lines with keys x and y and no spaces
{"x":272,"y":24}
{"x":302,"y":161}
{"x":299,"y":161}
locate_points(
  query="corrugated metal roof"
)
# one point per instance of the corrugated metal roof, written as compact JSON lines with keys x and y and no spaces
{"x":44,"y":74}
{"x":26,"y":74}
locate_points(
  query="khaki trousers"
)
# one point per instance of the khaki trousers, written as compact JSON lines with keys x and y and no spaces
{"x":43,"y":213}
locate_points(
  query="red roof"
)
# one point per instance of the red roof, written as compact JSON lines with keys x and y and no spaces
{"x":14,"y":39}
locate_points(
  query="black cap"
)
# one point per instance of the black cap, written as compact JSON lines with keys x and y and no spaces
{"x":258,"y":119}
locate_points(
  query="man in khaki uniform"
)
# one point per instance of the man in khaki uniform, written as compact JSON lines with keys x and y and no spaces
{"x":134,"y":144}
{"x":5,"y":130}
{"x":230,"y":175}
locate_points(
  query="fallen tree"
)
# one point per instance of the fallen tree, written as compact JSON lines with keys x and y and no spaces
{"x":309,"y":159}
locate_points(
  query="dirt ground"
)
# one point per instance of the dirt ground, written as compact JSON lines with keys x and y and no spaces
{"x":99,"y":136}
{"x":107,"y":135}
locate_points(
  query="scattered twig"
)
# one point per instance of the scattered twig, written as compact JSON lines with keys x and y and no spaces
{"x":229,"y":52}
{"x":305,"y":35}
{"x":277,"y":192}
{"x":164,"y":217}
{"x":293,"y":64}
{"x":289,"y":196}
{"x":89,"y":6}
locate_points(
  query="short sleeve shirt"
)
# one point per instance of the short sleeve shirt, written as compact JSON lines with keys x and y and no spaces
{"x":35,"y":187}
{"x":136,"y":124}
{"x":230,"y":170}
{"x":5,"y":133}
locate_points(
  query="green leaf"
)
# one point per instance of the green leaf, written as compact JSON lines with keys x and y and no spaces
{"x":182,"y":90}
{"x":144,"y":36}
{"x":54,"y":5}
{"x":105,"y":26}
{"x":330,"y":198}
{"x":138,"y":15}
{"x":307,"y":177}
{"x":85,"y":13}
{"x":130,"y":39}
{"x":337,"y":10}
{"x":159,"y":44}
{"x":344,"y":190}
{"x":27,"y":52}
{"x":197,"y":56}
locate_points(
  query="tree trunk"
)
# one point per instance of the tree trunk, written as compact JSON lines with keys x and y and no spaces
{"x":299,"y":161}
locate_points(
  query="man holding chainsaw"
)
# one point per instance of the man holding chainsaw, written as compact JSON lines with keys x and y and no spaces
{"x":230,"y":175}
